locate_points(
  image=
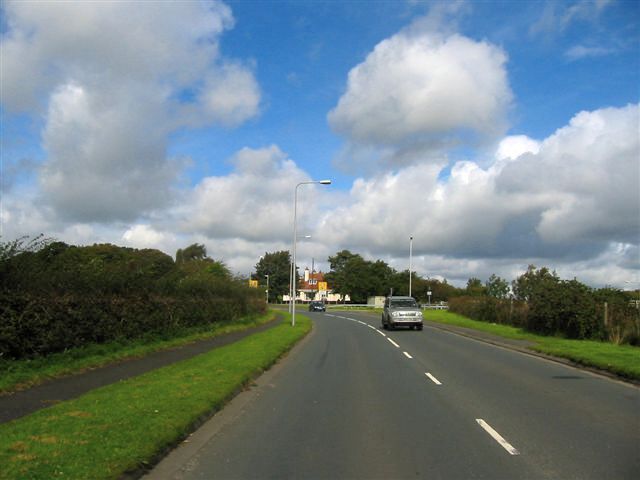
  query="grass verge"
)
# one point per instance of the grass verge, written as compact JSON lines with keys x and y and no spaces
{"x":622,"y":360}
{"x":20,"y":374}
{"x":123,"y":426}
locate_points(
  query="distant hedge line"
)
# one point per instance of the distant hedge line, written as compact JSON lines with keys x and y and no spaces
{"x":569,"y":309}
{"x":61,"y":296}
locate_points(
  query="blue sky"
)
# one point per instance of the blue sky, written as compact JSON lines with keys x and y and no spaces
{"x":497,"y":133}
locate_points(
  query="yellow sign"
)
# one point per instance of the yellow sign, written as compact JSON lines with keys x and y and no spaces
{"x":322,"y":285}
{"x":253,"y":283}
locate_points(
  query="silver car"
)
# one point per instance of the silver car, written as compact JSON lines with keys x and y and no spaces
{"x":401,"y":312}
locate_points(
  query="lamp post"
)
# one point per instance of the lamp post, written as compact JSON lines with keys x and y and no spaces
{"x":410,"y":259}
{"x":267,"y":292}
{"x":295,"y":235}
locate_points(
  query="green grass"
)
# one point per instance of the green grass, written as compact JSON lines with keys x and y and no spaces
{"x":623,"y":360}
{"x":20,"y":374}
{"x":124,"y":426}
{"x":447,"y":317}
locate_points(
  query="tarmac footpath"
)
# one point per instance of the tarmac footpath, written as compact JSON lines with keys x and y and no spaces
{"x":24,"y":402}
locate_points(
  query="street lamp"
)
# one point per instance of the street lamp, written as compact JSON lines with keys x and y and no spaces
{"x":295,"y":234}
{"x":410,"y":258}
{"x":267,"y":292}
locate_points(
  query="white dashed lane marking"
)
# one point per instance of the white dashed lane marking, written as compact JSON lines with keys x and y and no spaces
{"x":497,"y":437}
{"x":393,"y":343}
{"x":433,"y":379}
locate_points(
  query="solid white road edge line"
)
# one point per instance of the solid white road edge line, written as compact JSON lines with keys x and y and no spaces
{"x":497,"y":437}
{"x":433,"y":379}
{"x":393,"y":343}
{"x":407,"y":355}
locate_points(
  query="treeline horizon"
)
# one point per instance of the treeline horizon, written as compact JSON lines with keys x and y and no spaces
{"x":538,"y":300}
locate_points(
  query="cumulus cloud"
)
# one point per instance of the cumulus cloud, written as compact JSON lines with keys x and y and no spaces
{"x":567,"y":198}
{"x":143,"y":236}
{"x":113,"y":80}
{"x":106,"y":162}
{"x":586,"y":176}
{"x":511,"y":147}
{"x":421,"y":90}
{"x":254,"y":202}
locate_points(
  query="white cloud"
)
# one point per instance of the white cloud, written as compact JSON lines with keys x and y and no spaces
{"x":106,"y":161}
{"x":113,"y":80}
{"x":579,"y":52}
{"x":510,"y":148}
{"x":231,"y":95}
{"x":587,"y":173}
{"x":569,"y":202}
{"x":557,"y":17}
{"x":420,"y":88}
{"x":255,"y":202}
{"x":143,"y":236}
{"x":567,"y":198}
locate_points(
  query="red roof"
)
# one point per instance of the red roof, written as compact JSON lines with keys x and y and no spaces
{"x":312,"y":284}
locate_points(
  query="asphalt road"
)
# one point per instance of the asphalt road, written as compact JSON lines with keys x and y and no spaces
{"x":356,"y":402}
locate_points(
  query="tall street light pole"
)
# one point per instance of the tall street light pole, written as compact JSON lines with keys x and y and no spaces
{"x":267,"y":292}
{"x":410,"y":261}
{"x":295,"y":237}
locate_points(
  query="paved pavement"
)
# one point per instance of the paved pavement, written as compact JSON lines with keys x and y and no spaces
{"x":19,"y":404}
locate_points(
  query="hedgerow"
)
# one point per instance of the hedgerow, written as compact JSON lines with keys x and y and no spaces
{"x":56,"y":296}
{"x":543,"y":303}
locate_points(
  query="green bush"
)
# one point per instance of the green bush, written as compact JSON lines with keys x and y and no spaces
{"x":61,"y":296}
{"x":490,"y":309}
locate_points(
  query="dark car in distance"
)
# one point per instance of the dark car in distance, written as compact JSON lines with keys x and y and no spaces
{"x":317,"y":307}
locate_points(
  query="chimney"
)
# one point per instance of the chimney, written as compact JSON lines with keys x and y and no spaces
{"x":306,"y":274}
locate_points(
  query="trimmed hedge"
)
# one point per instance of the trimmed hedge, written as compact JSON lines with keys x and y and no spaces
{"x":63,"y":297}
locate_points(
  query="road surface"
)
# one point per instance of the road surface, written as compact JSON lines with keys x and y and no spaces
{"x":354,"y":401}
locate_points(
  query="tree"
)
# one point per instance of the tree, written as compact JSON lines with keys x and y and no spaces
{"x":278,"y":266}
{"x":496,"y":287}
{"x":338,"y":276}
{"x":359,"y":278}
{"x":441,"y":291}
{"x":475,"y":287}
{"x":530,"y":282}
{"x":195,"y":251}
